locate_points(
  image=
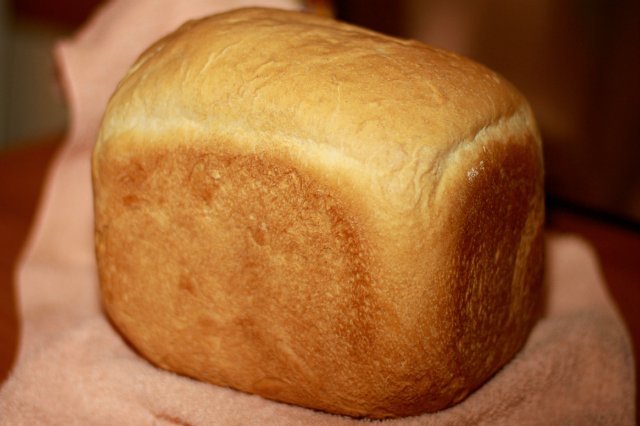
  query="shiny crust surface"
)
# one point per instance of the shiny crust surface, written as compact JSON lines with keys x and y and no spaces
{"x":319,"y":214}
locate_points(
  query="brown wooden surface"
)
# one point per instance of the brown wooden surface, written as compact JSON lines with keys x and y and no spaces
{"x":22,"y":172}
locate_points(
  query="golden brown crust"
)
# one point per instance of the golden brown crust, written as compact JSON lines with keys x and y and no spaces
{"x":319,"y":214}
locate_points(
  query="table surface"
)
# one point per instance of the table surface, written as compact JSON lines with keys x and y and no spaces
{"x":23,"y":171}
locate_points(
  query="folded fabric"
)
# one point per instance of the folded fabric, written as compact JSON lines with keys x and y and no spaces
{"x":74,"y":368}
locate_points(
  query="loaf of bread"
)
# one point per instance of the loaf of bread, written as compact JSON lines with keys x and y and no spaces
{"x":319,"y":214}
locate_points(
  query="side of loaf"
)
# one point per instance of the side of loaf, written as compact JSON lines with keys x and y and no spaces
{"x":319,"y":214}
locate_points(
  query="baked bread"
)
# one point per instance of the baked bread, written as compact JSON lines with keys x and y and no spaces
{"x":319,"y":214}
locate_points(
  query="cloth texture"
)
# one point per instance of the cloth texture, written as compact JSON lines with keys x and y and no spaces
{"x":73,"y":368}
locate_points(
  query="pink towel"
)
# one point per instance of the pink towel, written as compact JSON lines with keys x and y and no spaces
{"x":74,"y":368}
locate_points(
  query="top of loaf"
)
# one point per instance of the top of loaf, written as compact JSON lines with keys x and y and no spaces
{"x":288,"y":81}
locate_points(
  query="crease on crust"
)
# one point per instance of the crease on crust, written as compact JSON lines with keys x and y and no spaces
{"x":401,"y":193}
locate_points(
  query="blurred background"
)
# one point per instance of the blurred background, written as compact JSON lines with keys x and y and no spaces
{"x":577,"y":61}
{"x":31,"y":105}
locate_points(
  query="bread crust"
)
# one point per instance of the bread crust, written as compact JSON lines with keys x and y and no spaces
{"x":319,"y":214}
